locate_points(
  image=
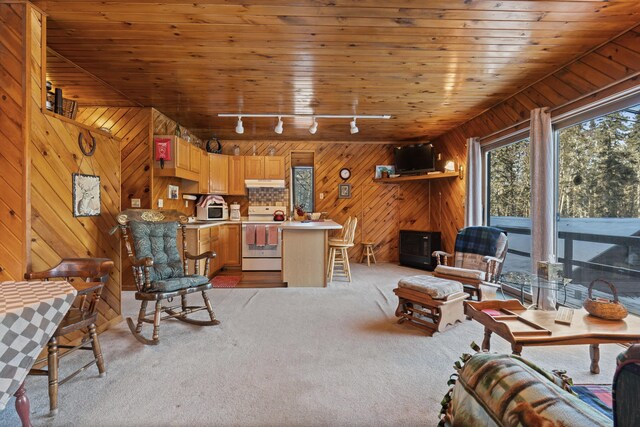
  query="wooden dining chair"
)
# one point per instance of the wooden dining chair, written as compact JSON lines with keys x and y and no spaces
{"x":338,"y":252}
{"x":80,"y":319}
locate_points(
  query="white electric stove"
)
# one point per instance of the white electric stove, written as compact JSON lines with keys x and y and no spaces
{"x":261,"y":257}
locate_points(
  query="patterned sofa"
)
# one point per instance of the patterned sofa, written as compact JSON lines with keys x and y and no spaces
{"x":504,"y":390}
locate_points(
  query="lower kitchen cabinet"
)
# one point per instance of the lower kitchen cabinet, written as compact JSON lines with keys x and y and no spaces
{"x":224,"y":240}
{"x":231,"y":245}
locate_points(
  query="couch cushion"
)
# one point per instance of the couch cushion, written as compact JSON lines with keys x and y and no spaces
{"x":435,"y":287}
{"x":504,"y":390}
{"x":158,"y":240}
{"x":169,"y":285}
{"x":460,"y":272}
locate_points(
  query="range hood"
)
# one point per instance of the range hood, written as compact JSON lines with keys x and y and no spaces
{"x":264,"y":183}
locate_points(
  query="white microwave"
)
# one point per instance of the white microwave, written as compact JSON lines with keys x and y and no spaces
{"x":212,"y":212}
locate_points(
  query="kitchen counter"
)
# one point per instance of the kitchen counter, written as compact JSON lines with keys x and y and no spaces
{"x":208,"y":224}
{"x":327,"y":224}
{"x":285,"y":225}
{"x":304,"y":252}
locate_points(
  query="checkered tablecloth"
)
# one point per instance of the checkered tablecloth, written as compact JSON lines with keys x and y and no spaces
{"x":30,"y":312}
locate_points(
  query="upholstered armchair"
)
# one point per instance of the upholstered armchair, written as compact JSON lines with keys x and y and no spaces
{"x":159,"y":270}
{"x":478,"y":259}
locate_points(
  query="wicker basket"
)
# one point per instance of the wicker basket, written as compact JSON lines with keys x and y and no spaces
{"x":610,"y":310}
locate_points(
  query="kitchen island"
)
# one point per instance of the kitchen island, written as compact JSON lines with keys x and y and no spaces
{"x":304,"y":252}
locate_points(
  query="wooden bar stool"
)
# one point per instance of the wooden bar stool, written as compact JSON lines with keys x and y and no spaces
{"x":338,"y":253}
{"x":367,"y":251}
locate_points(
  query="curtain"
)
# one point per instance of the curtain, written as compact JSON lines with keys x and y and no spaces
{"x":542,"y":202}
{"x":473,"y":188}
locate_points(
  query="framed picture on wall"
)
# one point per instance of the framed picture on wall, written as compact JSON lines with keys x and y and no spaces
{"x":86,"y":195}
{"x":383,"y":171}
{"x":173,"y":192}
{"x":344,"y":191}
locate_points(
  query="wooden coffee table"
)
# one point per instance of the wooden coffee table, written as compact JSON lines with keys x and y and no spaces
{"x":522,"y":327}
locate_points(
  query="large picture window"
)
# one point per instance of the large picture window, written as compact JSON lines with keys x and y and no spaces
{"x":598,"y":203}
{"x":509,"y":200}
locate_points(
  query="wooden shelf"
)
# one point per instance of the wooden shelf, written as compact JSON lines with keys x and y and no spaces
{"x":417,"y":177}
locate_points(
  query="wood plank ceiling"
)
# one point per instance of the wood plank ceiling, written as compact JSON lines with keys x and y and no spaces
{"x":430,"y":64}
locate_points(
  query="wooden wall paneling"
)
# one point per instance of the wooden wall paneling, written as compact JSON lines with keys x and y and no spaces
{"x":381,"y":209}
{"x":611,"y":68}
{"x":14,"y":132}
{"x":54,"y":156}
{"x":132,"y":126}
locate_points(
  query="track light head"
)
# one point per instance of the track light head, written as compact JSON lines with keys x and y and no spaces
{"x":279,"y":127}
{"x":354,"y":128}
{"x":239,"y":127}
{"x":314,"y":127}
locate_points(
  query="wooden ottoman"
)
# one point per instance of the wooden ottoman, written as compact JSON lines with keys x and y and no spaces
{"x":430,"y":303}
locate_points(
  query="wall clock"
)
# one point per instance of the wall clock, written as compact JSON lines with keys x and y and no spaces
{"x":345,"y":173}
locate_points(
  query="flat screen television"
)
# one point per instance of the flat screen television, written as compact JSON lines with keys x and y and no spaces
{"x":419,"y":158}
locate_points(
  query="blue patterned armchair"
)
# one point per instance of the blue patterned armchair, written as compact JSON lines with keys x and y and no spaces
{"x":160,"y":273}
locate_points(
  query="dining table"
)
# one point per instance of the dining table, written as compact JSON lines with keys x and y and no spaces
{"x":30,"y":312}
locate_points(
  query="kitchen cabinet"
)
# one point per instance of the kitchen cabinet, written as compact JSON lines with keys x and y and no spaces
{"x":274,"y":167}
{"x":185,"y":159}
{"x":236,"y":176}
{"x":202,"y":185}
{"x":254,"y":167}
{"x":218,"y":174}
{"x":230,"y":242}
{"x":223,"y":239}
{"x":264,"y":167}
{"x":195,"y":156}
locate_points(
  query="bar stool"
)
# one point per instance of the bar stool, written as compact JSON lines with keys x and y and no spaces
{"x":367,"y":251}
{"x":343,"y":233}
{"x":338,"y":252}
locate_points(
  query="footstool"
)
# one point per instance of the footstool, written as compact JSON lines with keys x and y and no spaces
{"x":430,"y":303}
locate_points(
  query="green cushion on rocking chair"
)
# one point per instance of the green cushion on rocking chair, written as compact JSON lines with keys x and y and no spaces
{"x":169,"y":285}
{"x":159,"y":242}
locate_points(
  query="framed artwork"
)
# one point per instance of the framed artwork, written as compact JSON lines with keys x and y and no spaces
{"x":389,"y":169}
{"x":173,"y":192}
{"x":86,"y":195}
{"x":344,"y":191}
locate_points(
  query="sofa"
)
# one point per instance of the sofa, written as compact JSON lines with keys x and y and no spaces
{"x":491,"y":389}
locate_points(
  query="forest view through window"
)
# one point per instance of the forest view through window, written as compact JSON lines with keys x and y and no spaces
{"x":303,"y":192}
{"x":509,"y":200}
{"x":598,"y":204}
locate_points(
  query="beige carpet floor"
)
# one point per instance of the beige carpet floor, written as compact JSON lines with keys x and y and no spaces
{"x":284,"y":357}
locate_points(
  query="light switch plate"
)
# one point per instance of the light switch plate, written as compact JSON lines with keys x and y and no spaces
{"x":160,"y":203}
{"x":135,"y":203}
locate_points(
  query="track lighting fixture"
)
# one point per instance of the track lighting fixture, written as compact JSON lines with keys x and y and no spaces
{"x":279,"y":127}
{"x":239,"y":127}
{"x":354,"y":128}
{"x":314,"y":127}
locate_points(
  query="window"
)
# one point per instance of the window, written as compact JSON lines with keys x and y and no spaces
{"x":509,"y":200}
{"x":303,"y":189}
{"x":598,"y":201}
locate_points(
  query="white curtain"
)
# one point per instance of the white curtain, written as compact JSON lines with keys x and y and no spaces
{"x":542,"y":199}
{"x":473,"y":189}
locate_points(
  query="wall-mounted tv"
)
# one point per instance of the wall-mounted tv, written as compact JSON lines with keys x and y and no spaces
{"x":419,"y":158}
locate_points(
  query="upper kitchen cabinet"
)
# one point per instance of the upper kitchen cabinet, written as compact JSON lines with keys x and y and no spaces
{"x":181,"y":159}
{"x":254,"y":167}
{"x":218,"y":174}
{"x":264,"y":167}
{"x":236,"y":176}
{"x":274,"y":167}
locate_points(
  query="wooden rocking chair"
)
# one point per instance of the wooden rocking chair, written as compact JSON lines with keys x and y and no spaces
{"x":160,"y":273}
